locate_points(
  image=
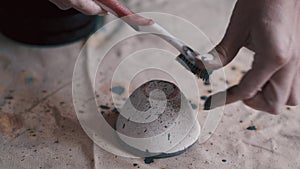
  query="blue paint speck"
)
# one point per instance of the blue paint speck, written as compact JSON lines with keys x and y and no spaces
{"x":29,"y":80}
{"x":148,"y":160}
{"x":104,"y":107}
{"x":115,"y":110}
{"x":194,"y":106}
{"x":118,"y":90}
{"x":206,"y":83}
{"x":251,"y":128}
{"x":203,"y":98}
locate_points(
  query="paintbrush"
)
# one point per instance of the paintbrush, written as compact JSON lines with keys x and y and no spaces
{"x":187,"y":56}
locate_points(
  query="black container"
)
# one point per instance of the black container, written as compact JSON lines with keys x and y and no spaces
{"x":39,"y":22}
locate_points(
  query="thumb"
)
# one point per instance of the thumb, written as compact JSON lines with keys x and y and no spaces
{"x":236,"y":36}
{"x":233,"y":40}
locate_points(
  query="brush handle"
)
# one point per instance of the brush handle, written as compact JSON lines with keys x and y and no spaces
{"x":139,"y":23}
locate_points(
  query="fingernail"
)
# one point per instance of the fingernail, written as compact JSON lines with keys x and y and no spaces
{"x":207,"y":104}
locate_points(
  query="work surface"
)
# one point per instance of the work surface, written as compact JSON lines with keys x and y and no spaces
{"x":39,"y":127}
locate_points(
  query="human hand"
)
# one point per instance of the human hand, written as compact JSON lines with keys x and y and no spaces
{"x":270,"y":28}
{"x":88,"y":7}
{"x":102,"y":7}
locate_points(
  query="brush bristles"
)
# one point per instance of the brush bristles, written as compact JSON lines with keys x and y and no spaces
{"x":199,"y":72}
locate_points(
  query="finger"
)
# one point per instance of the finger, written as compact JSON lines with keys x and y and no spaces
{"x":294,"y":98}
{"x":252,"y":82}
{"x":87,"y":7}
{"x":234,"y":39}
{"x":115,"y":6}
{"x":276,"y":92}
{"x":258,"y":102}
{"x":121,"y":11}
{"x":226,"y":50}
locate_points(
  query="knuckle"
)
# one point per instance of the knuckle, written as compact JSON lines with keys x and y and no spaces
{"x":275,"y":109}
{"x":281,"y":57}
{"x":273,"y":105}
{"x":293,"y":102}
{"x":246,"y":90}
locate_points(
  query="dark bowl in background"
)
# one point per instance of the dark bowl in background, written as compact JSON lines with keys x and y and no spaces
{"x":39,"y":22}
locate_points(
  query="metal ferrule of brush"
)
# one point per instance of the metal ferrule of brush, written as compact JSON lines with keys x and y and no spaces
{"x":188,"y":59}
